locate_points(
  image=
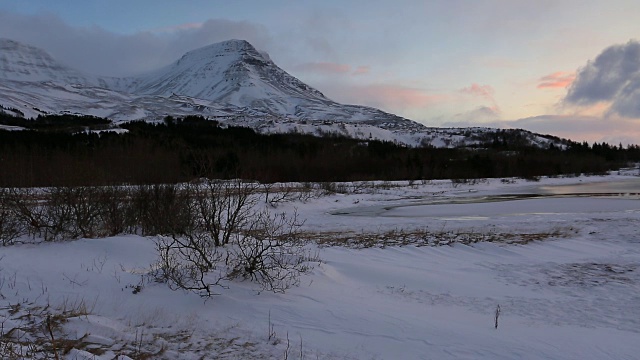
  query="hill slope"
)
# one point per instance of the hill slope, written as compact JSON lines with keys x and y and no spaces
{"x":230,"y":81}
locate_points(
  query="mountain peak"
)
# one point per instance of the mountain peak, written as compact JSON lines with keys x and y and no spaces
{"x":231,"y":72}
{"x":12,"y":48}
{"x":21,"y":62}
{"x":226,"y":75}
{"x":225,"y":48}
{"x":8,"y":44}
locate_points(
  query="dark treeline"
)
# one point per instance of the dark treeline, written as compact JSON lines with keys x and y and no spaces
{"x":185,"y":149}
{"x":62,"y":122}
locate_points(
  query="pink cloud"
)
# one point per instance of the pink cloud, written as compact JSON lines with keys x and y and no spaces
{"x":324,"y":67}
{"x":484,"y":92}
{"x":362,"y":70}
{"x":559,"y":79}
{"x":389,"y":97}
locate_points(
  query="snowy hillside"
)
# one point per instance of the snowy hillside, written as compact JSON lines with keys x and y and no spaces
{"x":20,"y":62}
{"x":230,"y":81}
{"x":232,"y":72}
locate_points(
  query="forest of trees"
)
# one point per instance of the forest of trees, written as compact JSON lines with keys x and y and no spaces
{"x":57,"y":150}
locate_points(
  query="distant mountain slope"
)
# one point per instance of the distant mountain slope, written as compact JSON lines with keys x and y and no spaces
{"x":229,"y":81}
{"x":20,"y":62}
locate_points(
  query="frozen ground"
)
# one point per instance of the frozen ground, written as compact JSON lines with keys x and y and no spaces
{"x":571,"y":293}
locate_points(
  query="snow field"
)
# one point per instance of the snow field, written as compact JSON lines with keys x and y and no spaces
{"x":573,"y":296}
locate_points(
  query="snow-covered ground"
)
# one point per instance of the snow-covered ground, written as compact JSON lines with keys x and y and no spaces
{"x":565,"y":272}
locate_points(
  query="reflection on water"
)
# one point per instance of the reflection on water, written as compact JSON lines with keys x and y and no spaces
{"x":577,"y":200}
{"x":631,"y":187}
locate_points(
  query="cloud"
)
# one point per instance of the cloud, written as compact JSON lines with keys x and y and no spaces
{"x":390,"y":97}
{"x":331,"y":68}
{"x":324,"y":67}
{"x":484,"y":92}
{"x":174,"y":28}
{"x":362,"y":70}
{"x":559,"y":79}
{"x":95,"y":50}
{"x":613,"y":77}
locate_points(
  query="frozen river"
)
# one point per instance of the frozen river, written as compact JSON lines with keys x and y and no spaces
{"x":601,"y":197}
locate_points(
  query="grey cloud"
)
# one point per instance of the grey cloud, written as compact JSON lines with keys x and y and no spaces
{"x":627,"y":101}
{"x":95,"y":50}
{"x":614,"y":76}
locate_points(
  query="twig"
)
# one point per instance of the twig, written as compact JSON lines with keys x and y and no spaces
{"x":53,"y":340}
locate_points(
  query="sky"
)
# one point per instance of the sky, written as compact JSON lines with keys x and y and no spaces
{"x":569,"y":68}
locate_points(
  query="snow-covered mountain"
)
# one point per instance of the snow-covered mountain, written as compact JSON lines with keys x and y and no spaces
{"x":230,"y":81}
{"x":20,"y":62}
{"x":232,"y":72}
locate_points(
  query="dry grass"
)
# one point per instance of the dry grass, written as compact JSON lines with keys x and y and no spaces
{"x":424,"y":237}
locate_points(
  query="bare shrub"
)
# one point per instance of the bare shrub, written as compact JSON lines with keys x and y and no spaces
{"x":329,"y":188}
{"x":57,"y":213}
{"x":362,"y":187}
{"x":230,"y":239}
{"x":75,"y":211}
{"x":117,"y":214}
{"x":64,"y":213}
{"x":10,"y":226}
{"x":223,"y":208}
{"x":161,"y":209}
{"x":26,"y":206}
{"x":271,"y":252}
{"x":277,"y":194}
{"x":187,"y":262}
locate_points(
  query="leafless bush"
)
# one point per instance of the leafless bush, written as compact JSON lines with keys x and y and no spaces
{"x":386,"y":185}
{"x":329,"y":187}
{"x":117,"y":213}
{"x":161,"y":209}
{"x":74,"y":212}
{"x":10,"y":227}
{"x":361,"y":187}
{"x":271,"y":252}
{"x":64,"y":213}
{"x":57,"y":213}
{"x":223,"y":208}
{"x":27,"y":210}
{"x":229,"y":239}
{"x":187,"y":262}
{"x":275,"y":195}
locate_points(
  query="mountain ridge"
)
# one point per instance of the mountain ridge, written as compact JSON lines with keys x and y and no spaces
{"x":22,"y":62}
{"x":229,"y":81}
{"x":231,"y":72}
